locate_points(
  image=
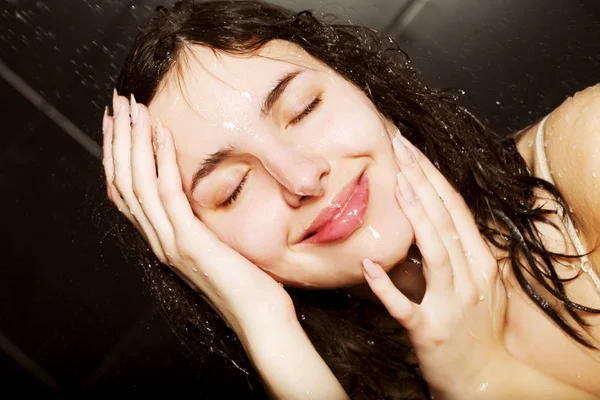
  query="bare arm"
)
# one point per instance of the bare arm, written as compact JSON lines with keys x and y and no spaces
{"x":288,"y":363}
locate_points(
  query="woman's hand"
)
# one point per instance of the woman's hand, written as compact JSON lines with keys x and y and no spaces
{"x":149,"y":193}
{"x":458,"y":327}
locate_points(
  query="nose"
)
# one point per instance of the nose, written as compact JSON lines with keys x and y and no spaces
{"x":301,"y":175}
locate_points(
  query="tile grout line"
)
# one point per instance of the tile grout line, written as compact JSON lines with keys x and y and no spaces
{"x":405,"y":17}
{"x":13,"y":351}
{"x":50,"y":111}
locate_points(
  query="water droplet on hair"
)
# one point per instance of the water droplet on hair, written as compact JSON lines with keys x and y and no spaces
{"x":497,"y":103}
{"x":303,"y":317}
{"x":370,"y":342}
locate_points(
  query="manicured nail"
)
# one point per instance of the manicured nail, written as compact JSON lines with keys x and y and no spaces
{"x":411,"y":147}
{"x":374,"y":271}
{"x":402,"y":153}
{"x":406,"y":190}
{"x":116,"y":105}
{"x":105,"y":120}
{"x":134,"y":109}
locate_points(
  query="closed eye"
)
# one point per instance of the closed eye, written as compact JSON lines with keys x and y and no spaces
{"x":311,"y":107}
{"x":233,"y":197}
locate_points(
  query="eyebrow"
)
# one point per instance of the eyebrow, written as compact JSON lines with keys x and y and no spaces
{"x":214,"y":160}
{"x":276,"y":93}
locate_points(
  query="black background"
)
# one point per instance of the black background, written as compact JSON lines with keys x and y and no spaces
{"x":74,"y":317}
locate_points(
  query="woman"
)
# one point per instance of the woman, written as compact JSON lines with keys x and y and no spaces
{"x":279,"y":153}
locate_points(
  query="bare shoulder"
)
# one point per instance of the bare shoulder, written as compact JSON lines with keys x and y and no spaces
{"x":572,"y":135}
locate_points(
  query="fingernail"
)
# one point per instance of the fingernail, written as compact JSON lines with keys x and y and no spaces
{"x":105,"y":120}
{"x":411,"y":147}
{"x":406,"y":190}
{"x":404,"y":156}
{"x":134,"y":109}
{"x":116,"y":105}
{"x":374,"y":271}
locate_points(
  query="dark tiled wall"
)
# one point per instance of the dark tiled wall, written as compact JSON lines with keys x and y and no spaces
{"x":74,"y":317}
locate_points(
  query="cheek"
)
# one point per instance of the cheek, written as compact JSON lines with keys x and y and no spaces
{"x":260,"y":233}
{"x":354,"y":126}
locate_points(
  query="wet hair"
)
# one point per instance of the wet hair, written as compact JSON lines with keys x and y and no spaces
{"x":369,"y":360}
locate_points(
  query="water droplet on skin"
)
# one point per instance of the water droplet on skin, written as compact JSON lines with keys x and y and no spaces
{"x":194,"y":269}
{"x":578,"y":375}
{"x":561,"y":138}
{"x":455,"y":237}
{"x":594,"y":174}
{"x":230,"y":125}
{"x":205,"y":275}
{"x":140,"y":200}
{"x":483,"y":387}
{"x":481,"y":297}
{"x":280,"y":284}
{"x":375,"y":234}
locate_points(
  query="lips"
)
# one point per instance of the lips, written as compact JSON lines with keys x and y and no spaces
{"x":343,"y":215}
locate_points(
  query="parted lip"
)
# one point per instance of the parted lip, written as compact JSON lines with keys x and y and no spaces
{"x":333,"y":209}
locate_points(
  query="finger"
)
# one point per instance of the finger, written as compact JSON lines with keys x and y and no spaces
{"x":466,"y":226}
{"x":185,"y":225}
{"x":189,"y":231}
{"x":437,"y":268}
{"x":144,"y":178}
{"x":109,"y":168}
{"x":397,"y":304}
{"x":122,"y":164}
{"x":429,"y":202}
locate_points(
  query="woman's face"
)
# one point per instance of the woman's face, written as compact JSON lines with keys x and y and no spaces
{"x":295,"y":144}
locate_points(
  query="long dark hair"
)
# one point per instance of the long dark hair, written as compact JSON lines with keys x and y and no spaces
{"x":370,"y":361}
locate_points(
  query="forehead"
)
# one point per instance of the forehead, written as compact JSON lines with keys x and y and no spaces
{"x":212,"y":98}
{"x":207,"y":80}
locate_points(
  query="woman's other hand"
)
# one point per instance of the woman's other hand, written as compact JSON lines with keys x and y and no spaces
{"x":458,"y":327}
